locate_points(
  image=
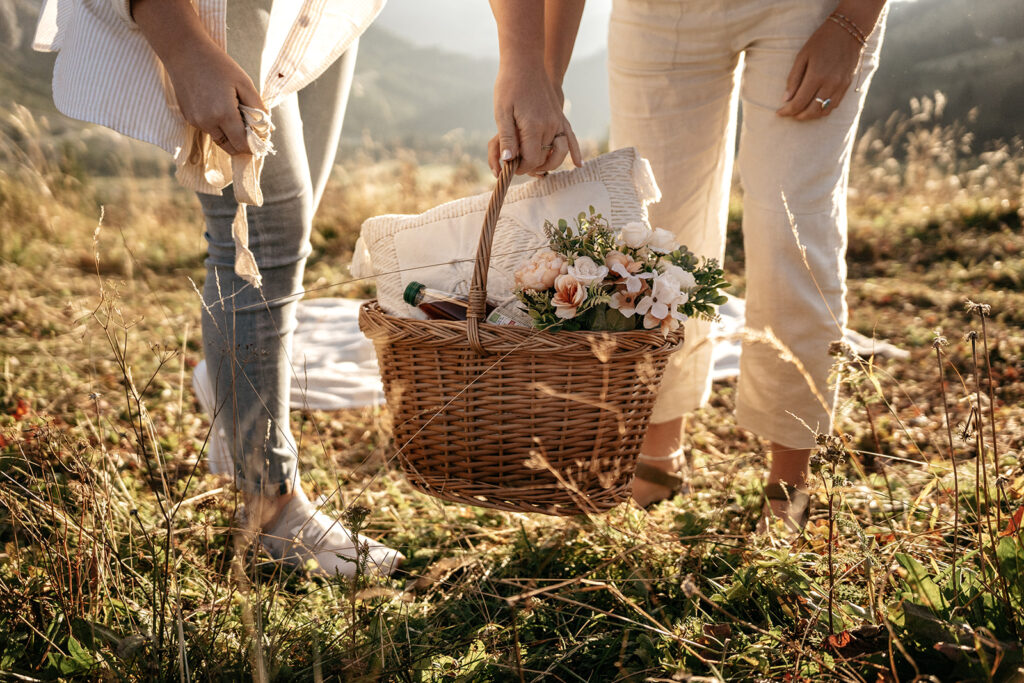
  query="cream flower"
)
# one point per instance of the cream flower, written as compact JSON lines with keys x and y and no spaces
{"x":661,"y":307}
{"x":628,"y":271}
{"x":685,"y":277}
{"x":662,"y":241}
{"x":587,"y":272}
{"x":570,"y":293}
{"x":634,"y":235}
{"x":540,"y":271}
{"x":625,"y":301}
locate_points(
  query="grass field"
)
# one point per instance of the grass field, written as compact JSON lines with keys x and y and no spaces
{"x":119,"y":562}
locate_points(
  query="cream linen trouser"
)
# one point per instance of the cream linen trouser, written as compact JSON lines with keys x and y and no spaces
{"x":677,"y":69}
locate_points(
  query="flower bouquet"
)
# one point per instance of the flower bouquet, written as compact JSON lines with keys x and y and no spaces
{"x":592,"y":277}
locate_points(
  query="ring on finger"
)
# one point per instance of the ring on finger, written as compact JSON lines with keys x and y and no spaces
{"x":823,"y":102}
{"x":548,"y":148}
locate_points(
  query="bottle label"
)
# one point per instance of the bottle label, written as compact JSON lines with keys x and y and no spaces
{"x":509,"y":315}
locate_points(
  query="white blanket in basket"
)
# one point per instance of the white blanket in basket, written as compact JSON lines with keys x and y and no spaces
{"x":438,"y":247}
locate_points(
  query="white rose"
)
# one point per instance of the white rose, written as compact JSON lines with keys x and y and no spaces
{"x":662,"y":241}
{"x":587,"y":272}
{"x":634,"y":235}
{"x":683,"y":277}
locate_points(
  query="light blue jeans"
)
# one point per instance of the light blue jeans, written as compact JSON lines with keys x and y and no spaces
{"x":247,"y":332}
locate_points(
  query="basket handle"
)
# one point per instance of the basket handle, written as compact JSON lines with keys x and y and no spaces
{"x":478,"y":287}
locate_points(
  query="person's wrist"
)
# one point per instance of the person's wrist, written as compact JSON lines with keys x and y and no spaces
{"x":522,"y":57}
{"x":862,"y":13}
{"x":843,"y":33}
{"x":519,"y":74}
{"x":196,"y":52}
{"x":559,"y":94}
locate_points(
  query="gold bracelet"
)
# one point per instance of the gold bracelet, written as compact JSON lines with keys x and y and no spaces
{"x":852,"y":30}
{"x":853,"y":25}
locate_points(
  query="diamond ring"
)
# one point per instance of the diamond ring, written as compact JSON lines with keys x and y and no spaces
{"x":823,"y":102}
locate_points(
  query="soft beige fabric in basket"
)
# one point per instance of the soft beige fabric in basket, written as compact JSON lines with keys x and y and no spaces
{"x":438,"y":247}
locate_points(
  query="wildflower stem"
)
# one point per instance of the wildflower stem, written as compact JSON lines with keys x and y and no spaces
{"x":983,"y":311}
{"x":991,"y":412}
{"x":980,"y":465}
{"x":831,"y":562}
{"x":979,"y":438}
{"x":956,"y":478}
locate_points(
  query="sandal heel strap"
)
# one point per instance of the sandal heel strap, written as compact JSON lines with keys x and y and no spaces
{"x":659,"y":477}
{"x":798,"y":501}
{"x":778,"y":491}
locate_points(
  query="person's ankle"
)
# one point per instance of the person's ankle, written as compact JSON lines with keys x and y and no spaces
{"x":789,"y":466}
{"x":799,"y":483}
{"x":668,"y":463}
{"x":645,"y":492}
{"x":266,"y":510}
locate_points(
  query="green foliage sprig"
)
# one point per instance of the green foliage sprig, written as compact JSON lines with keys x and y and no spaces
{"x":590,"y":236}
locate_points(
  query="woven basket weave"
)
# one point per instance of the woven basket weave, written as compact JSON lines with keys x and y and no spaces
{"x":515,"y":418}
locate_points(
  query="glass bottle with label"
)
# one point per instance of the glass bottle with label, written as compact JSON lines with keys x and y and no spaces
{"x":436,"y":304}
{"x":440,"y":305}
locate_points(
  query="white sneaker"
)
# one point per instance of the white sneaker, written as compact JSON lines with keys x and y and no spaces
{"x":302,"y":533}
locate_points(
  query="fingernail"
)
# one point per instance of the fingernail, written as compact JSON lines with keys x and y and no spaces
{"x":506,"y":155}
{"x":785,"y":96}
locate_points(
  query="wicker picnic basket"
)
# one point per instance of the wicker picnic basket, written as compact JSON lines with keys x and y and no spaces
{"x":516,"y":418}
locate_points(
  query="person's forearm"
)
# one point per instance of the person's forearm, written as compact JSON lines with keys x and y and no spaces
{"x":171,"y":27}
{"x":520,"y":32}
{"x":561,"y":24}
{"x":527,"y":106}
{"x":208,"y":85}
{"x":863,"y":13}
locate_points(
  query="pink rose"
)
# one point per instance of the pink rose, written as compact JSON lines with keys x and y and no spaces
{"x":540,"y":271}
{"x":569,"y":295}
{"x":617,"y":262}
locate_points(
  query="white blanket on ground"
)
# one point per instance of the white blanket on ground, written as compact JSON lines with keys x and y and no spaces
{"x":335,"y":366}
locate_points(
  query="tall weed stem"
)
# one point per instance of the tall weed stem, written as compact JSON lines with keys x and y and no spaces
{"x":937,"y":345}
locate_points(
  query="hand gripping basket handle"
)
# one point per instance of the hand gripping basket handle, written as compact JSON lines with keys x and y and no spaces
{"x":478,"y":287}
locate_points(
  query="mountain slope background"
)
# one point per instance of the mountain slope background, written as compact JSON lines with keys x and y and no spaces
{"x":425,"y":97}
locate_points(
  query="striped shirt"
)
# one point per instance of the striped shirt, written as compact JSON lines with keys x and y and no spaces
{"x":106,"y":73}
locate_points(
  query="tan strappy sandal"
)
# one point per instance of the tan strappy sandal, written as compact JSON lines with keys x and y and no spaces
{"x":796,"y":513}
{"x":672,"y":480}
